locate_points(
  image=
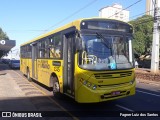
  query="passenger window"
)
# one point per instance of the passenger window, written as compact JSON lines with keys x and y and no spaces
{"x":46,"y":54}
{"x":55,"y":46}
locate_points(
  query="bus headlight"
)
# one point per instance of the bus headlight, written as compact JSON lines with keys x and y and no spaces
{"x":89,"y":84}
{"x":94,"y":87}
{"x":85,"y":82}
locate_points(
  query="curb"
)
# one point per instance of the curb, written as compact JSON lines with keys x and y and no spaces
{"x":3,"y":73}
{"x":146,"y":75}
{"x":155,"y":83}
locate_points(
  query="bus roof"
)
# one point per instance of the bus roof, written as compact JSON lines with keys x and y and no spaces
{"x":75,"y":23}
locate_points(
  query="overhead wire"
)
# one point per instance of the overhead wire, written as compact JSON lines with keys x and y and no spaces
{"x":79,"y":10}
{"x":74,"y":13}
{"x":61,"y":21}
{"x":145,"y":21}
{"x":125,"y":8}
{"x":141,"y":13}
{"x":87,"y":5}
{"x":148,"y":20}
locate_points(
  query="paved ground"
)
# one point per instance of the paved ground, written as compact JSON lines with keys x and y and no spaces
{"x":9,"y":92}
{"x":19,"y":95}
{"x":147,"y":75}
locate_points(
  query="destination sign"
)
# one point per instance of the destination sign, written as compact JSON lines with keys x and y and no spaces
{"x":113,"y":25}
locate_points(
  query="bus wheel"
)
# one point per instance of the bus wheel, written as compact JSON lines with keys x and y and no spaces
{"x":56,"y":88}
{"x":28,"y":75}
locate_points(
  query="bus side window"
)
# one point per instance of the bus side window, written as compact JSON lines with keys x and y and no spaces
{"x":46,"y":48}
{"x":58,"y":46}
{"x":43,"y":49}
{"x":40,"y":50}
{"x":55,"y":47}
{"x":52,"y":53}
{"x":51,"y":47}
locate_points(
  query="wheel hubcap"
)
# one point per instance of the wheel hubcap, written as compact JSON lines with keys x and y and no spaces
{"x":56,"y":87}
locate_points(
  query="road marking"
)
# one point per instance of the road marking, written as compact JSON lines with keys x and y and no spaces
{"x":124,"y":108}
{"x":148,"y":93}
{"x":75,"y":118}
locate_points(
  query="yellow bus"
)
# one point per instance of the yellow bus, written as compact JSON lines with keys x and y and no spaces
{"x":90,"y":60}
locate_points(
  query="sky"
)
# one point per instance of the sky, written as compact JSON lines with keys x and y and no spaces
{"x":23,"y":20}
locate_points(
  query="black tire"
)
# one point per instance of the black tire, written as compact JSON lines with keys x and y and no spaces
{"x":28,"y":75}
{"x":56,"y":86}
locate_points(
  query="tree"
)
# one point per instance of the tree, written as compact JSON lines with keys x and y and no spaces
{"x":142,"y":34}
{"x":3,"y":36}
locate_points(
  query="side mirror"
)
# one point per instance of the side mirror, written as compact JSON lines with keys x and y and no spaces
{"x":78,"y":44}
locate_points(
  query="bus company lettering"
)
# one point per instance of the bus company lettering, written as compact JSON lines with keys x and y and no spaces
{"x":57,"y":69}
{"x":44,"y":64}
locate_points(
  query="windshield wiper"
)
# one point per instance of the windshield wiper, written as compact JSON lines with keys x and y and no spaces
{"x":106,"y":43}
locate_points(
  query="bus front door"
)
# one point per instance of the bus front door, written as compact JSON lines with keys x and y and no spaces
{"x":68,"y":57}
{"x":34,"y":60}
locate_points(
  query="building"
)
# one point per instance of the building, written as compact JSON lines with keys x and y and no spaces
{"x":6,"y":46}
{"x":13,"y":54}
{"x":114,"y":12}
{"x":150,"y":6}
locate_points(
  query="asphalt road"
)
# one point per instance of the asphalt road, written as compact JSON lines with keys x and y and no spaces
{"x":146,"y":102}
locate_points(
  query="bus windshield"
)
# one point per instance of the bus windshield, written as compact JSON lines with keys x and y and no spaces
{"x":105,"y":52}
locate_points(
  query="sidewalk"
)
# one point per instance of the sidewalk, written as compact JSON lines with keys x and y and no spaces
{"x":17,"y":94}
{"x":145,"y":76}
{"x":11,"y":96}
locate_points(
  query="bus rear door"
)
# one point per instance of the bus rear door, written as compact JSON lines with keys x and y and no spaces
{"x":34,"y":61}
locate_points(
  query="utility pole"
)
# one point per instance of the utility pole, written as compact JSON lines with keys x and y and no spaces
{"x":155,"y":42}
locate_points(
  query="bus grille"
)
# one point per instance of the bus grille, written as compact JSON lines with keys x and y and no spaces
{"x":112,"y":75}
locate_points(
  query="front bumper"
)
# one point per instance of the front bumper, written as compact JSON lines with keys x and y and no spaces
{"x":87,"y":95}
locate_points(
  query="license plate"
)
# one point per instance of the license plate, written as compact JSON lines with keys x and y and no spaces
{"x":115,"y":93}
